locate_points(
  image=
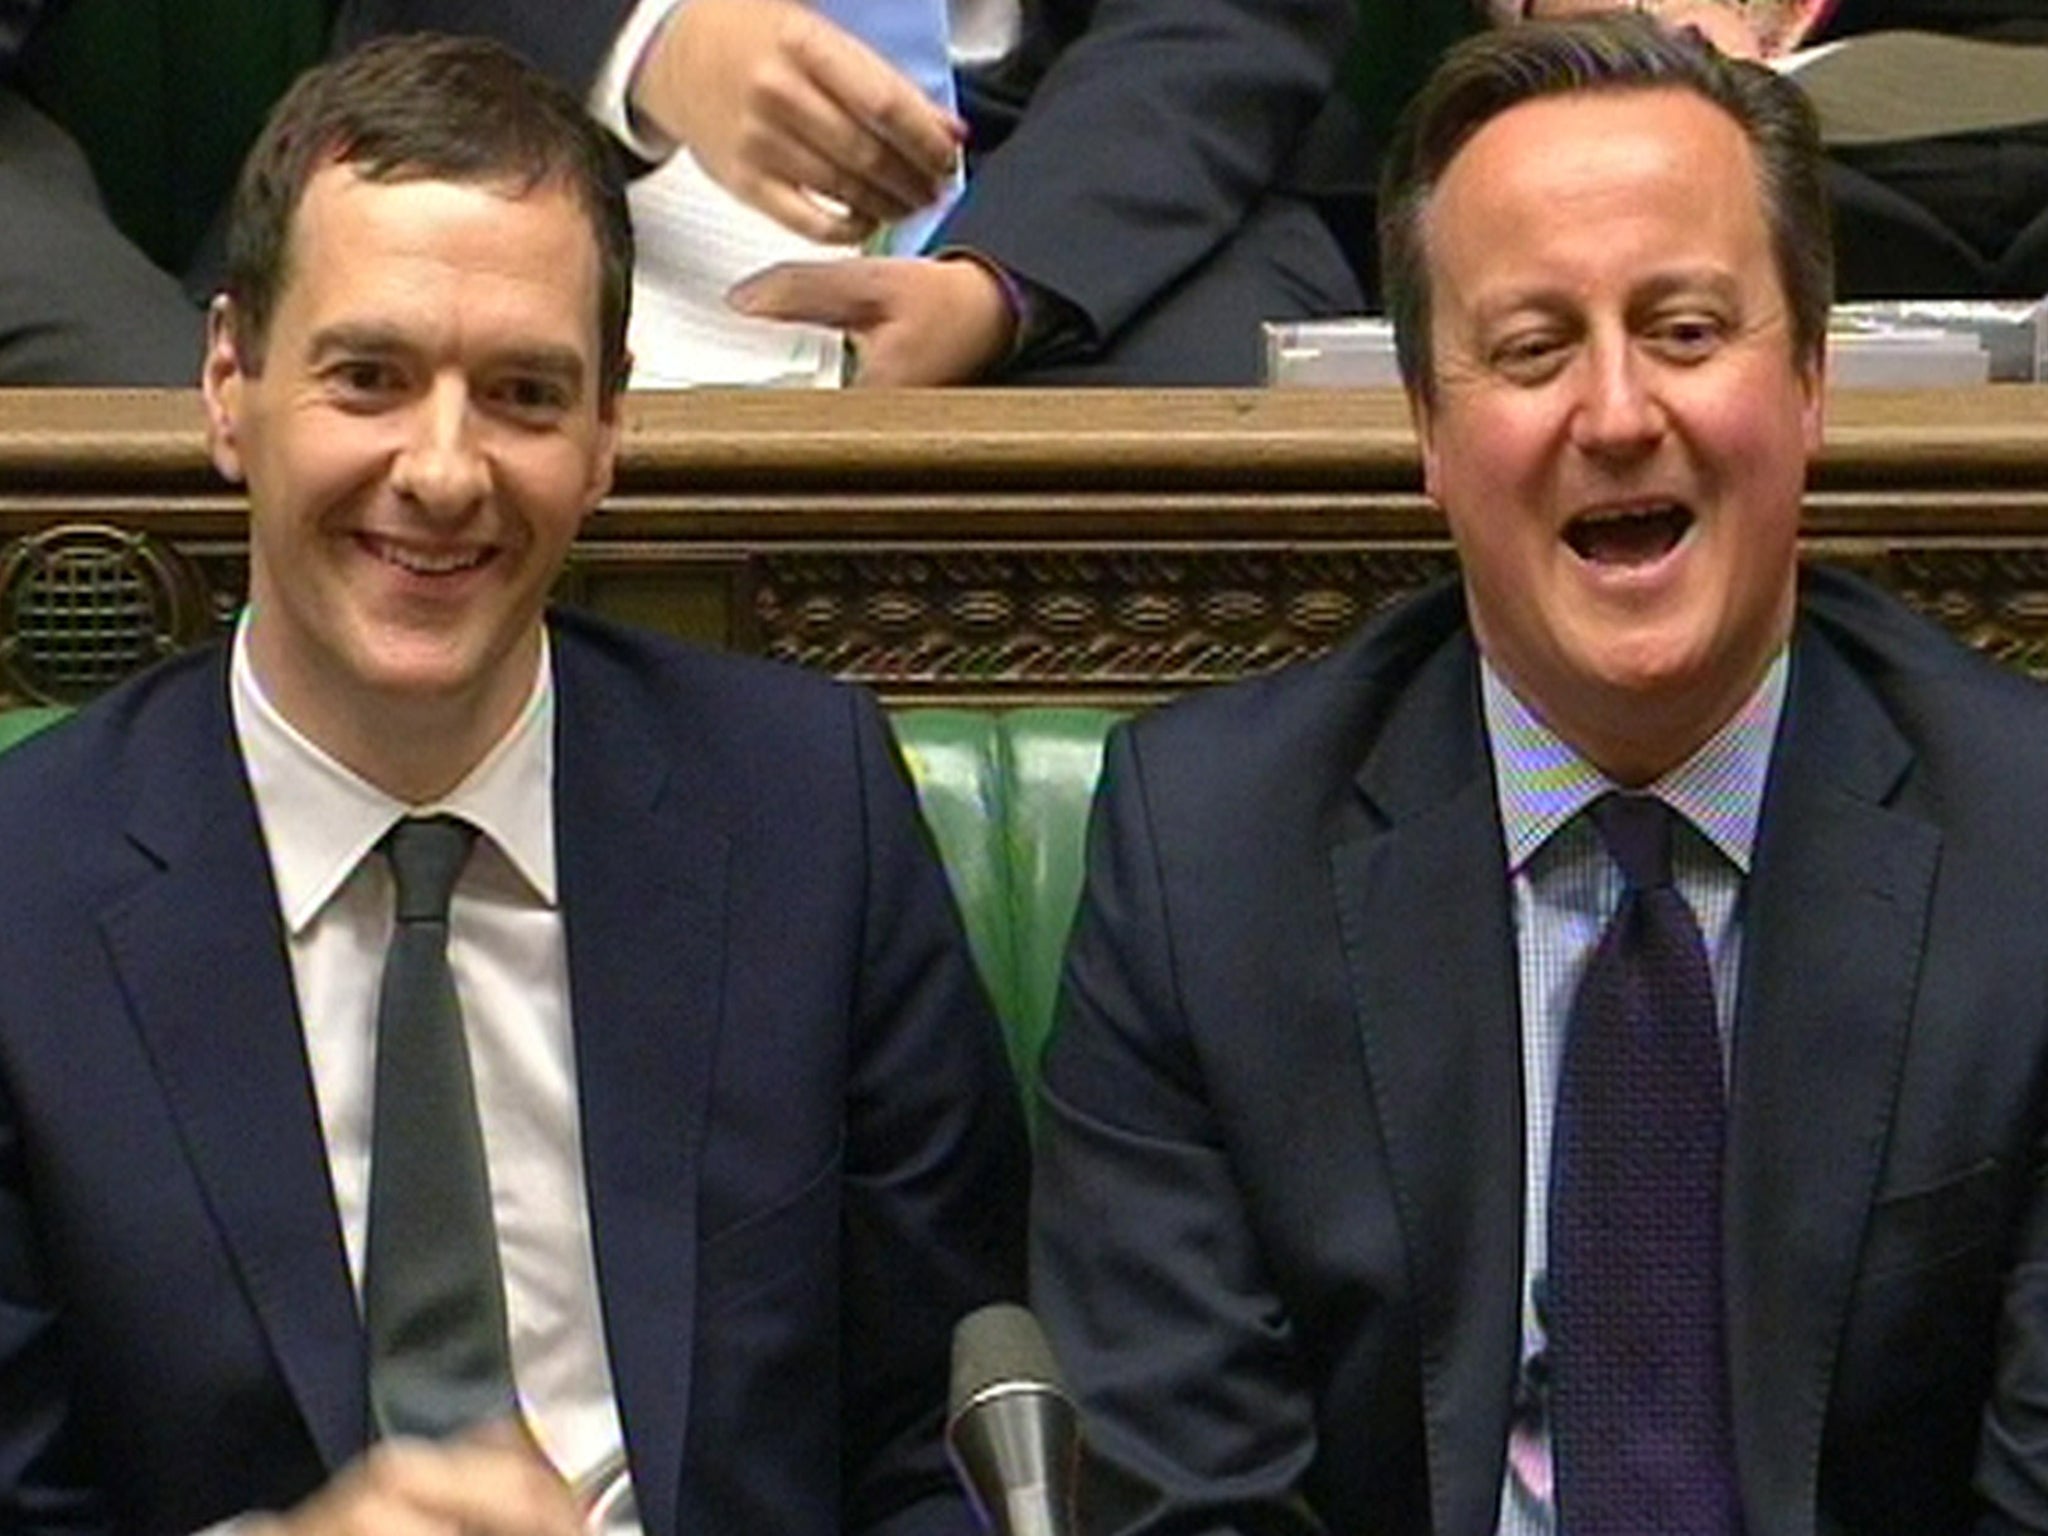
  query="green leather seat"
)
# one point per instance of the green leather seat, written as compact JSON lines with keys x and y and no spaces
{"x":23,"y":721}
{"x":1007,"y":794}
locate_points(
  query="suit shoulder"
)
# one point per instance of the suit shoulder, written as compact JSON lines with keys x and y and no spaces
{"x":82,"y":756}
{"x":1322,"y":712}
{"x":1914,"y":662}
{"x":705,"y":700}
{"x":1974,"y":730}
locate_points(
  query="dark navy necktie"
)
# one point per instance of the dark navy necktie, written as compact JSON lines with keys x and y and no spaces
{"x":433,"y":1293}
{"x":1641,"y":1434}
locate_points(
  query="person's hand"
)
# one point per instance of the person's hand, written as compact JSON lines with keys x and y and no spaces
{"x":491,"y":1483}
{"x":782,"y":109}
{"x":1757,"y":29}
{"x":909,"y":320}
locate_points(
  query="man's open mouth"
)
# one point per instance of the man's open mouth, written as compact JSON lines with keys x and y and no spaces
{"x":1628,"y":536}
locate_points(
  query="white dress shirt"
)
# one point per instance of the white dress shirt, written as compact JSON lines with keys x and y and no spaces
{"x":508,"y":952}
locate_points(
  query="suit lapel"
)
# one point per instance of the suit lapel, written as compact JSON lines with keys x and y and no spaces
{"x":1423,"y":904}
{"x":199,"y":949}
{"x":644,"y":900}
{"x":1836,"y":911}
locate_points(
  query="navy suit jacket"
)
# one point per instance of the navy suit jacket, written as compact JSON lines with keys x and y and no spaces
{"x":1279,"y":1211}
{"x":803,"y":1151}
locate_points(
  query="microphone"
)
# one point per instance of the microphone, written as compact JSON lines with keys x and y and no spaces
{"x":1012,"y":1432}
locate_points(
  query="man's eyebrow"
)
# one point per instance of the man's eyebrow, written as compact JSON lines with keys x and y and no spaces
{"x":1714,"y":282}
{"x":356,"y":338}
{"x":1541,"y":298}
{"x":1527,"y":299}
{"x":560,"y":364}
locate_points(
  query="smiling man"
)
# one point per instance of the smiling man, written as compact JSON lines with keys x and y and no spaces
{"x":1572,"y":1060}
{"x":467,"y":1068}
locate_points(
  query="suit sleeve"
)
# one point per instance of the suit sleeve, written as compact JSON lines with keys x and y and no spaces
{"x":936,"y":1166}
{"x":1149,"y":138}
{"x":566,"y":38}
{"x":2012,"y":1460}
{"x":1145,"y":1270}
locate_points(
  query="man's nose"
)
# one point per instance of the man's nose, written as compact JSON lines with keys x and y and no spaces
{"x":441,"y":466}
{"x":1618,"y":413}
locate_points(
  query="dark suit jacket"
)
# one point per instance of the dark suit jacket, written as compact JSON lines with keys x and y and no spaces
{"x":1135,"y":158}
{"x":1278,"y":1216}
{"x":17,"y":20}
{"x":1960,"y":216}
{"x":803,"y":1151}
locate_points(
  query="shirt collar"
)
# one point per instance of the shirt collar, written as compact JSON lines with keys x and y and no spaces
{"x":1542,"y":782}
{"x":320,"y":818}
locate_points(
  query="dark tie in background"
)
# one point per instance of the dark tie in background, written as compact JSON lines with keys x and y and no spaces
{"x":1640,"y":1420}
{"x":433,"y":1296}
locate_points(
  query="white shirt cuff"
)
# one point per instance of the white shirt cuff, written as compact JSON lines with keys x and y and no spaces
{"x":241,"y":1525}
{"x":609,"y":102}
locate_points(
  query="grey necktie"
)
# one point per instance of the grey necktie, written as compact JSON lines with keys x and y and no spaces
{"x":1882,"y":87}
{"x":433,"y":1296}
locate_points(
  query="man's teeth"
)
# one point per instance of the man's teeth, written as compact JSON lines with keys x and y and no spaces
{"x":1633,"y":537}
{"x":431,"y":562}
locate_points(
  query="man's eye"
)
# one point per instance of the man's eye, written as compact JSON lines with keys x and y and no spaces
{"x":1688,"y":338}
{"x":1529,"y":358}
{"x":532,"y":396}
{"x":363,"y":378}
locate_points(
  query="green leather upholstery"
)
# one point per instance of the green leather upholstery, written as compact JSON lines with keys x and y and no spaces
{"x":20,"y":723}
{"x":1007,"y":795}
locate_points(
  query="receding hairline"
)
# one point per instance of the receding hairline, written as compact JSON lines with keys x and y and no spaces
{"x":510,"y":186}
{"x":1593,"y":97}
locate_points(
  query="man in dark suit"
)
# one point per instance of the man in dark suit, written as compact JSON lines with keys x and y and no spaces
{"x":750,"y":1142}
{"x":1139,"y":176}
{"x":1305,"y":1237}
{"x":1958,"y":215}
{"x":79,"y":302}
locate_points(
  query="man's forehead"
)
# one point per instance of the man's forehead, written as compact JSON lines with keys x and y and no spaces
{"x":1575,"y":126}
{"x":1591,"y":155}
{"x":347,"y":192}
{"x":337,"y":175}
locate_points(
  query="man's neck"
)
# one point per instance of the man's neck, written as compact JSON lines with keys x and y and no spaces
{"x":415,"y":747}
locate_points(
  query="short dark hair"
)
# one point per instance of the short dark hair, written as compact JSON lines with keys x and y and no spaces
{"x":416,"y":108}
{"x":1486,"y":74}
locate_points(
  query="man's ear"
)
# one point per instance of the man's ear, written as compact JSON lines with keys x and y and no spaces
{"x":1813,"y":414}
{"x":221,"y":384}
{"x":611,"y":422}
{"x":1419,"y":415}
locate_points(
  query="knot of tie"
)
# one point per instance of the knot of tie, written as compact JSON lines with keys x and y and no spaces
{"x":427,"y":854}
{"x":1637,"y":831}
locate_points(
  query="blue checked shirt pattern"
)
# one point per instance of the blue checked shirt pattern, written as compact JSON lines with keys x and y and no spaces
{"x":1565,"y":888}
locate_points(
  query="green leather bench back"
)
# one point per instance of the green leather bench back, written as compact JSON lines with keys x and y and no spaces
{"x":24,"y":721}
{"x":1006,"y":794}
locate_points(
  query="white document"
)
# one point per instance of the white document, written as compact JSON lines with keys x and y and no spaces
{"x":696,"y":240}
